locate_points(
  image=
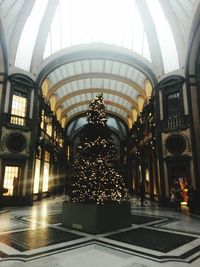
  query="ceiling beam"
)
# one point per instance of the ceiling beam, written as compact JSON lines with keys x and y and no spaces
{"x":96,"y":90}
{"x":42,"y":35}
{"x":18,"y":28}
{"x":152,"y":37}
{"x":176,"y":30}
{"x":97,"y":75}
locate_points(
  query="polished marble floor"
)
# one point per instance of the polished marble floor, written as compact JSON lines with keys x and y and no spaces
{"x":34,"y":237}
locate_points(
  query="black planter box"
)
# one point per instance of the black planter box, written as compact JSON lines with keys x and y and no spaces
{"x":95,"y":219}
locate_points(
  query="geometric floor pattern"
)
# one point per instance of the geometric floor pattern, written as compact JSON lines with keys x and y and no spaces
{"x":33,"y":236}
{"x":37,"y":238}
{"x":152,"y":239}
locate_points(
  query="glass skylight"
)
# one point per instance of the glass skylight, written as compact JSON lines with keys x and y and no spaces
{"x":165,"y":36}
{"x":187,"y":5}
{"x":10,"y":10}
{"x":11,"y":15}
{"x":6,"y":6}
{"x":29,"y":35}
{"x":181,"y":16}
{"x":97,"y":21}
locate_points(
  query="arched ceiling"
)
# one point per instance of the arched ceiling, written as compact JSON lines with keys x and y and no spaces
{"x":75,"y":49}
{"x":76,"y":83}
{"x":80,"y":77}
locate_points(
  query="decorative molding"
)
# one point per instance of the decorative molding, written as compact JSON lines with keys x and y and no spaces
{"x":184,"y":135}
{"x":4,"y":148}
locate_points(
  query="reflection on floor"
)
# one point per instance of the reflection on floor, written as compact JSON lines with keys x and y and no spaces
{"x":34,"y":236}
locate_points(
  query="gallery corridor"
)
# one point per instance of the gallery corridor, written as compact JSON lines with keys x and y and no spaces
{"x":33,"y":236}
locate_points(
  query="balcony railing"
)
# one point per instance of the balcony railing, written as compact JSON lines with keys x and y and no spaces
{"x":175,"y":122}
{"x":15,"y":120}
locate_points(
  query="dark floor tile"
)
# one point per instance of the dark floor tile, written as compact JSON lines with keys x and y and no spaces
{"x":152,"y":239}
{"x":37,"y":238}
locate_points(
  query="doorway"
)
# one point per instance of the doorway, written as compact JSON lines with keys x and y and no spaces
{"x":11,"y":180}
{"x":179,"y":172}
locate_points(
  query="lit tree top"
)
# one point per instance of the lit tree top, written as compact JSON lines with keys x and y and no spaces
{"x":96,"y":112}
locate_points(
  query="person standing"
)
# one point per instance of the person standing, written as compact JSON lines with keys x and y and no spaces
{"x":142,"y":193}
{"x":178,"y":196}
{"x":172,"y":197}
{"x":15,"y":186}
{"x":191,"y":198}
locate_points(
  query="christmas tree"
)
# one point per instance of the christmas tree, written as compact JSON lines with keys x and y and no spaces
{"x":95,"y":180}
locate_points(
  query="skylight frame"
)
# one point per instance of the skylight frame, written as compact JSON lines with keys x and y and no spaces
{"x":29,"y":35}
{"x":163,"y":29}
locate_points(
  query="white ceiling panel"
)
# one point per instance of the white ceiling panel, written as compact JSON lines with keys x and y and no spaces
{"x":108,"y":66}
{"x":86,"y":66}
{"x":78,"y":67}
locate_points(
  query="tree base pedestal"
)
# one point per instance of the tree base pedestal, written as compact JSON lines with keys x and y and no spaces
{"x":95,"y":219}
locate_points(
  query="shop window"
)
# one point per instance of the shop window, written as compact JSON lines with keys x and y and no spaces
{"x":37,"y":176}
{"x":47,"y":156}
{"x":46,"y":123}
{"x":18,"y":108}
{"x":42,"y":120}
{"x":55,"y":135}
{"x":68,"y":152}
{"x":45,"y":184}
{"x":49,"y":129}
{"x":11,"y":180}
{"x":60,"y":142}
